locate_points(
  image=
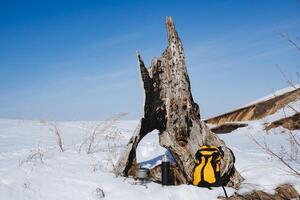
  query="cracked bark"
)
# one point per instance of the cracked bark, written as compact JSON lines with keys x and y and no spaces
{"x":169,"y":107}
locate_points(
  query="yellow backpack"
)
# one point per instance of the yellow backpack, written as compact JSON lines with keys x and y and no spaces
{"x":207,"y":167}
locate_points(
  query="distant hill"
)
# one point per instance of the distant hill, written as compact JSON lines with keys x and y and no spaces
{"x":281,"y":108}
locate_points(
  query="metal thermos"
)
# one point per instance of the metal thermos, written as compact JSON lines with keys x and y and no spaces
{"x":142,"y":174}
{"x":165,"y":171}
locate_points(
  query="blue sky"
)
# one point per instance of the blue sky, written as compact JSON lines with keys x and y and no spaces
{"x":75,"y":60}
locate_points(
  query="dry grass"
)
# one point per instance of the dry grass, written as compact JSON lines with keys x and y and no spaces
{"x":56,"y":130}
{"x":288,"y":155}
{"x":35,"y":156}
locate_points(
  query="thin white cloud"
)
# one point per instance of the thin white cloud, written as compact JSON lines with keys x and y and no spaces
{"x":238,"y":47}
{"x":115,"y":40}
{"x":108,"y":75}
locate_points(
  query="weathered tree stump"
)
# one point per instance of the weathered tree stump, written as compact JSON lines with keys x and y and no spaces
{"x":169,"y":107}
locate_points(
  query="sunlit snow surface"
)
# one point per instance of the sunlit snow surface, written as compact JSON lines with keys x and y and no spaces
{"x":32,"y":166}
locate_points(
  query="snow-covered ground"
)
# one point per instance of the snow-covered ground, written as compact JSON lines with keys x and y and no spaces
{"x":32,"y":166}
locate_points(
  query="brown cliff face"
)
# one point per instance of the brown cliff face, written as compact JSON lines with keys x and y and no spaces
{"x":258,"y":110}
{"x":290,"y":123}
{"x":227,"y":127}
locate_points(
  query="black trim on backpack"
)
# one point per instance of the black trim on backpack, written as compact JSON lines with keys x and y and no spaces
{"x":214,"y":161}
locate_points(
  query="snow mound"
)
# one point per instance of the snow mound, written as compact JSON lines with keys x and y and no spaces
{"x":282,"y":103}
{"x":274,"y":94}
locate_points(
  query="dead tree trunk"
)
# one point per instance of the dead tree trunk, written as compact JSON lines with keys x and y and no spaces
{"x":169,"y":107}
